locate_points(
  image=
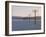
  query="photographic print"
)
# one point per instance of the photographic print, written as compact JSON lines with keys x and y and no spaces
{"x":24,"y":18}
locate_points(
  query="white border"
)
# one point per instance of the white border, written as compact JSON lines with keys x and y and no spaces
{"x":26,"y":31}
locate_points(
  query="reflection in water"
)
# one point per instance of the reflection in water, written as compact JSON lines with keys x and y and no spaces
{"x":21,"y":24}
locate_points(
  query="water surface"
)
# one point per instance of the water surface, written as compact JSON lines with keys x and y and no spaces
{"x":25,"y":24}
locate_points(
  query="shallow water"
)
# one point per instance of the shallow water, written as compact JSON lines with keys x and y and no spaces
{"x":21,"y":24}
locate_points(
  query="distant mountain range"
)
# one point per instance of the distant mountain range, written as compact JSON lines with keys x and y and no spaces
{"x":17,"y":17}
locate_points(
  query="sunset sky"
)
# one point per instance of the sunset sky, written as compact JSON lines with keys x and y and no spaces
{"x":25,"y":11}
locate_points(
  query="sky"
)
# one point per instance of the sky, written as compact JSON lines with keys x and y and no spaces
{"x":24,"y":11}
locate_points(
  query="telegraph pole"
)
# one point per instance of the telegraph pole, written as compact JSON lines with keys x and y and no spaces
{"x":35,"y":16}
{"x":29,"y":18}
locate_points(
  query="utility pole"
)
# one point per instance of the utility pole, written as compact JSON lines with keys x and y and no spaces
{"x":29,"y":18}
{"x":35,"y":16}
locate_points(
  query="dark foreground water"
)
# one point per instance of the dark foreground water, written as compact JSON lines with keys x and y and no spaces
{"x":21,"y":24}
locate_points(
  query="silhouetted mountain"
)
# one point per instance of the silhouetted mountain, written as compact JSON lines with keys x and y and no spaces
{"x":17,"y":17}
